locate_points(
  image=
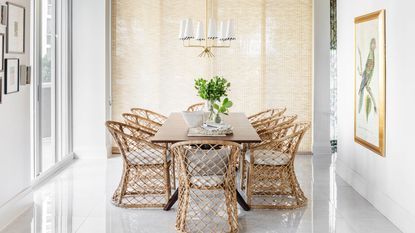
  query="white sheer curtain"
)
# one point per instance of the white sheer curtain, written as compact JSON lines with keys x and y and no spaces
{"x":269,"y":65}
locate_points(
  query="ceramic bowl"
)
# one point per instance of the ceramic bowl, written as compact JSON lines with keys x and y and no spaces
{"x":193,"y":119}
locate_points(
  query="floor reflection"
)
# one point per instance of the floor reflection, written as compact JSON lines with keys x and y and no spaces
{"x":333,"y":195}
{"x":52,"y":210}
{"x":78,"y":200}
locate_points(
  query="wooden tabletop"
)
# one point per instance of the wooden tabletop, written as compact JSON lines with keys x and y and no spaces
{"x":175,"y":130}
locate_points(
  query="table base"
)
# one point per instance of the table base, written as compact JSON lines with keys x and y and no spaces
{"x":175,"y":196}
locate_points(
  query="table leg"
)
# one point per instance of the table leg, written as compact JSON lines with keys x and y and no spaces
{"x":172,"y":200}
{"x":242,"y":202}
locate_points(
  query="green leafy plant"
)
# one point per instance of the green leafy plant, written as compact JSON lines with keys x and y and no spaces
{"x":213,"y":89}
{"x":224,"y":107}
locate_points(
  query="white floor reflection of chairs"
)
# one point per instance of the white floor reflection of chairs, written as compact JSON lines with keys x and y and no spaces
{"x":79,"y":200}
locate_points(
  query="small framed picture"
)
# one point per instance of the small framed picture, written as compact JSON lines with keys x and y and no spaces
{"x":3,"y":15}
{"x":29,"y":75}
{"x":15,"y":28}
{"x":1,"y":51}
{"x":11,"y":75}
{"x":1,"y":88}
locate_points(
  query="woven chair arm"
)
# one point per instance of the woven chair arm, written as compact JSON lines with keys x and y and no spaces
{"x":154,"y":145}
{"x":149,"y":114}
{"x":144,"y":141}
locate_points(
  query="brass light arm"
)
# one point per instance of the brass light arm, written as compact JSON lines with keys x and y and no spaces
{"x":189,"y":45}
{"x":194,"y":46}
{"x":221,"y":46}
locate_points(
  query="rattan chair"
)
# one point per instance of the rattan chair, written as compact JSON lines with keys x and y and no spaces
{"x":196,"y":107}
{"x":269,"y":178}
{"x":266,"y":115}
{"x":207,"y":193}
{"x":153,"y":116}
{"x":146,"y":174}
{"x":141,"y":122}
{"x":275,"y":127}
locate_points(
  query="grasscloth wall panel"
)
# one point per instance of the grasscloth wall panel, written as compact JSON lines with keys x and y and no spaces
{"x":269,"y":64}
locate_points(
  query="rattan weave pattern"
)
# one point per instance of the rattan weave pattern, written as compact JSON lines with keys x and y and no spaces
{"x":266,"y":115}
{"x":207,"y":195}
{"x":151,"y":115}
{"x":196,"y":107}
{"x":146,"y":173}
{"x":141,"y":122}
{"x":276,"y":121}
{"x":268,"y":171}
{"x":273,"y":128}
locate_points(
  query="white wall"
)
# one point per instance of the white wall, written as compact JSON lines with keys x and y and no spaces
{"x":389,"y":182}
{"x":321,"y":114}
{"x":15,"y":156}
{"x":89,"y":77}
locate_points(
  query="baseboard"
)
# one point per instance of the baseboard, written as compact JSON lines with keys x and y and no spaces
{"x":304,"y":153}
{"x":15,"y":207}
{"x":65,"y":162}
{"x":115,"y":150}
{"x":24,"y":200}
{"x":396,"y":213}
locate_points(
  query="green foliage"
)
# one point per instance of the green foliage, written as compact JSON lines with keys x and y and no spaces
{"x":368,"y":107}
{"x":224,"y":107}
{"x":213,"y":89}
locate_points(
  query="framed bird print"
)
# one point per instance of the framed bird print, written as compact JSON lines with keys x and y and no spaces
{"x":370,"y":81}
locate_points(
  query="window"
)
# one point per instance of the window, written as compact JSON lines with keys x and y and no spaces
{"x":50,"y":55}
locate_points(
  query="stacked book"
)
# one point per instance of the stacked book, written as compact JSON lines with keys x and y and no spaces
{"x":210,"y":129}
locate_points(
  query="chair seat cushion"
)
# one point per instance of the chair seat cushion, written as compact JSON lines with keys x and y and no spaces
{"x":207,"y":181}
{"x":146,"y":157}
{"x":269,"y":157}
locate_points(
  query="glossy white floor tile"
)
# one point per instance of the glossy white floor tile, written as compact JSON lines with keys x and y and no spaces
{"x":78,"y":200}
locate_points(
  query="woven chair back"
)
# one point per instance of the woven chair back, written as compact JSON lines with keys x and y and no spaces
{"x":265,"y":115}
{"x":151,"y":115}
{"x":134,"y":145}
{"x":273,"y":122}
{"x":196,"y":107}
{"x":281,"y":143}
{"x":141,"y":122}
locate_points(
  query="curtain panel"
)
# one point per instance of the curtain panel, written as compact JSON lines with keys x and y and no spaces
{"x":269,"y":65}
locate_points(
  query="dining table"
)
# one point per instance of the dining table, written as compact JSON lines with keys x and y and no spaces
{"x":175,"y":130}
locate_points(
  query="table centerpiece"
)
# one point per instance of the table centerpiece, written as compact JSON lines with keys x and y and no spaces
{"x":214,"y":91}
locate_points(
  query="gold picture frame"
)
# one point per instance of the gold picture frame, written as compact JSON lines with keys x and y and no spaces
{"x":370,"y":81}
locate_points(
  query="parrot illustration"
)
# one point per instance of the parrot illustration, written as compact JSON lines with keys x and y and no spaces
{"x":367,"y":75}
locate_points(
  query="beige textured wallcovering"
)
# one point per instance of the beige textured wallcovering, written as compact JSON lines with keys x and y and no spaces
{"x":269,"y":65}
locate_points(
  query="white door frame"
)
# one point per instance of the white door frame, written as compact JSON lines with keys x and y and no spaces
{"x":62,"y":101}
